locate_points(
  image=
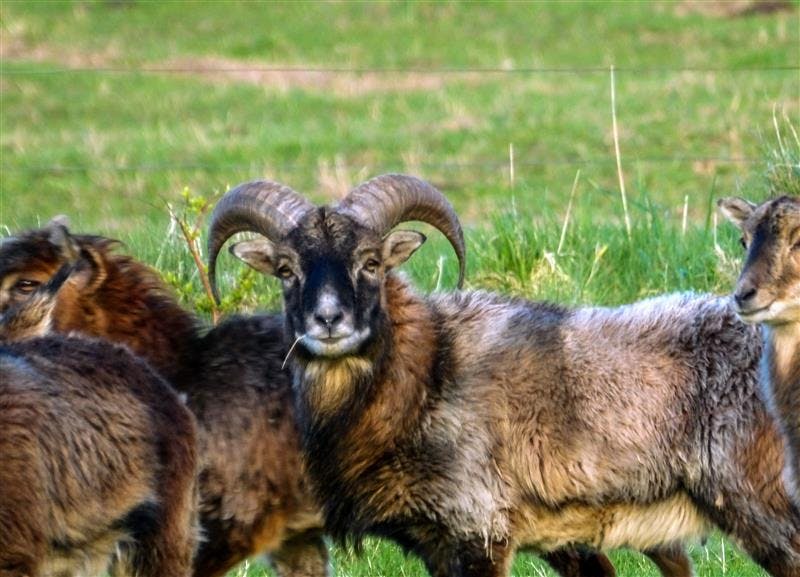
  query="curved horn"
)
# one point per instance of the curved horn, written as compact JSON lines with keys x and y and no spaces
{"x":385,"y":201}
{"x":268,"y":208}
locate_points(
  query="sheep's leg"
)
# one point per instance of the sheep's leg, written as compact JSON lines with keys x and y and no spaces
{"x":470,"y":559}
{"x":304,"y":555}
{"x":162,"y":541}
{"x":671,"y":560}
{"x":22,"y":539}
{"x":477,"y":561}
{"x":569,"y":562}
{"x":166,"y":534}
{"x":776,"y":558}
{"x":19,"y":550}
{"x":25,"y":568}
{"x":745,"y":495}
{"x":764,"y":537}
{"x":171,"y":549}
{"x":767,"y":527}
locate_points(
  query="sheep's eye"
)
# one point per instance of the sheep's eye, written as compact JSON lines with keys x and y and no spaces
{"x":285,"y":272}
{"x":26,"y":286}
{"x":743,"y":242}
{"x":371,"y":266}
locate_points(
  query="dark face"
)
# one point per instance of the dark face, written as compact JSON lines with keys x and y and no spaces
{"x":26,"y":262}
{"x":332,"y":270}
{"x":33,"y":316}
{"x":768,"y":289}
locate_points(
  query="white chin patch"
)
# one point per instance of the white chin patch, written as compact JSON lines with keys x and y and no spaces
{"x":774,"y":314}
{"x":755,"y":318}
{"x":335,"y":347}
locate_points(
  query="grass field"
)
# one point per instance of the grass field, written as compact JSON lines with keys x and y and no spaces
{"x":110,"y":110}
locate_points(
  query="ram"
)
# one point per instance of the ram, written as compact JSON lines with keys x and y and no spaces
{"x":768,"y":292}
{"x":98,"y":457}
{"x":466,"y":425}
{"x":254,"y":496}
{"x":240,"y":353}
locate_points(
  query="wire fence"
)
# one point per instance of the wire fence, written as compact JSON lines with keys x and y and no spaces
{"x":441,"y":166}
{"x":146,"y":69}
{"x":487,"y":166}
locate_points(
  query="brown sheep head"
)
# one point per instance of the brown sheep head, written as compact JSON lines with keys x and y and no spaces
{"x":768,"y":289}
{"x":43,"y":274}
{"x":332,"y":260}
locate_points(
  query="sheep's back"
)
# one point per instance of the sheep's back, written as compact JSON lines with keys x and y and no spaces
{"x":599,"y":403}
{"x":83,"y":426}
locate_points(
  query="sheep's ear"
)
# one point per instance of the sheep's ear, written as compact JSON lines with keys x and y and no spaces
{"x":735,"y":209}
{"x":90,"y":272}
{"x":258,"y":253}
{"x":399,"y":245}
{"x":59,"y":220}
{"x":59,"y":236}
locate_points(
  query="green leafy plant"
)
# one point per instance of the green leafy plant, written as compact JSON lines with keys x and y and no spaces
{"x":189,"y":217}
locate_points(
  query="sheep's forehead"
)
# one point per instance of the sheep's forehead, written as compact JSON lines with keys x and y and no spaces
{"x":776,"y":217}
{"x":326,"y":234}
{"x":31,"y":251}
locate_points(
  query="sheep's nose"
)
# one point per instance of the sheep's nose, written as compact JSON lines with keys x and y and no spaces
{"x":744,"y":295}
{"x":328,"y":312}
{"x":328,"y":317}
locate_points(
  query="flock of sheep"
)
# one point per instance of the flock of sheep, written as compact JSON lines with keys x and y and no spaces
{"x":463,"y":425}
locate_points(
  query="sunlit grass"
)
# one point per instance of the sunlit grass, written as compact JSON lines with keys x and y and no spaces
{"x":706,"y":106}
{"x":717,"y":558}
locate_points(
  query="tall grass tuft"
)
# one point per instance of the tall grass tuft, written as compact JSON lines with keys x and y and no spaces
{"x":783,"y":160}
{"x":598,"y":264}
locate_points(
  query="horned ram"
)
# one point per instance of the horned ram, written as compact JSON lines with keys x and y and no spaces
{"x":467,"y":425}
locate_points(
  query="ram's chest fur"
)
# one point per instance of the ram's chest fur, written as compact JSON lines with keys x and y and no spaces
{"x":330,"y":383}
{"x":408,"y":451}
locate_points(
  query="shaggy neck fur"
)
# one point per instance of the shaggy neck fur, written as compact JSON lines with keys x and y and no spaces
{"x":782,"y":353}
{"x":354,"y":408}
{"x":781,"y":363}
{"x":132,"y":306}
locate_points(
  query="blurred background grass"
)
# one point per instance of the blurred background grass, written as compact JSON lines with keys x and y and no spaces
{"x":110,"y":107}
{"x":109,"y":110}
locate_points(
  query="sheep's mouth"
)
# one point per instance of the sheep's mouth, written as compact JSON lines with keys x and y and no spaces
{"x":747,"y":314}
{"x":777,"y":312}
{"x":331,"y":339}
{"x":335,"y":346}
{"x":759,"y":314}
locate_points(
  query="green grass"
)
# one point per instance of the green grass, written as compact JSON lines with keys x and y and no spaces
{"x":706,"y":107}
{"x":113,"y":143}
{"x":716,"y":559}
